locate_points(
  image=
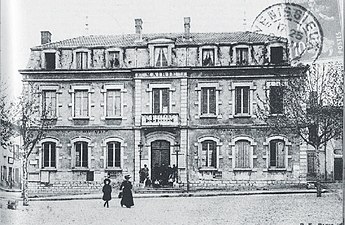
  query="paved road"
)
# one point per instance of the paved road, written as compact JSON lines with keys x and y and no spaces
{"x":253,"y":209}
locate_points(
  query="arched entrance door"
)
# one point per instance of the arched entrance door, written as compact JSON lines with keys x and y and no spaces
{"x":160,"y":156}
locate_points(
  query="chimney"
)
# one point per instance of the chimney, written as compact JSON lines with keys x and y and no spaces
{"x":45,"y":37}
{"x":138,"y":29}
{"x":187,"y":27}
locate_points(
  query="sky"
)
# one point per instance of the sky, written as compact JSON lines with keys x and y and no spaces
{"x":22,"y":21}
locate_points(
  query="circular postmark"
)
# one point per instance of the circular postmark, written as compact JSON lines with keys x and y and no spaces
{"x":297,"y":24}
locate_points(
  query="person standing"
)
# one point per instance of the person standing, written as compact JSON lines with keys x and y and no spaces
{"x":106,"y":192}
{"x":127,"y":197}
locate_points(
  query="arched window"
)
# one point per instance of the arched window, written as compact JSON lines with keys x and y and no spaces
{"x":209,"y":153}
{"x":49,"y":154}
{"x":113,"y":154}
{"x":242,"y":154}
{"x":277,"y":153}
{"x":81,"y":154}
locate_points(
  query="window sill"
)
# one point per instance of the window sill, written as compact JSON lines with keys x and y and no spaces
{"x":244,"y":169}
{"x":208,"y":169}
{"x":113,"y":169}
{"x":113,"y":118}
{"x":242,"y":116}
{"x":277,"y":169}
{"x":49,"y":169}
{"x":80,"y":169}
{"x":208,"y":116}
{"x":81,"y":118}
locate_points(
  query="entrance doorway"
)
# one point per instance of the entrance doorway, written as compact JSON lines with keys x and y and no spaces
{"x":160,"y":157}
{"x":338,"y":168}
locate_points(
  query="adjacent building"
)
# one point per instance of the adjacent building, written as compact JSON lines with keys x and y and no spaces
{"x":185,"y":99}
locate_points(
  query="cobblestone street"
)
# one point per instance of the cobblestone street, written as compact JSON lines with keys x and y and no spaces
{"x":249,"y":209}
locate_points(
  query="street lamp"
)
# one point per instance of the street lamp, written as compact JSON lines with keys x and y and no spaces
{"x":177,"y":150}
{"x":140,"y":145}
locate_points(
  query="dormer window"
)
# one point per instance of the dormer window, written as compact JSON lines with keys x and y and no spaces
{"x":114,"y":59}
{"x":161,"y":56}
{"x":208,"y":57}
{"x":50,"y":61}
{"x":82,"y":60}
{"x":241,"y":56}
{"x":277,"y":55}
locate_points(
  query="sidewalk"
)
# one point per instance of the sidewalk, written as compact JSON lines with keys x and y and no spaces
{"x":185,"y":194}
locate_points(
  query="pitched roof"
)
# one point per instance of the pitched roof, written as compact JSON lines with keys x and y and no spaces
{"x":128,"y":40}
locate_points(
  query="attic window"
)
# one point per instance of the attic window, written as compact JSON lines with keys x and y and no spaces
{"x":276,"y":55}
{"x":161,"y":56}
{"x":241,"y":56}
{"x":50,"y":61}
{"x":82,"y":60}
{"x":114,"y":59}
{"x":208,"y":57}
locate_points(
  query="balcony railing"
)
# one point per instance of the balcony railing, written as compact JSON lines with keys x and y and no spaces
{"x":165,"y":119}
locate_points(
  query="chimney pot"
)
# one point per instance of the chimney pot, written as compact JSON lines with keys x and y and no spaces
{"x":45,"y":37}
{"x":187,"y":27}
{"x":139,"y":28}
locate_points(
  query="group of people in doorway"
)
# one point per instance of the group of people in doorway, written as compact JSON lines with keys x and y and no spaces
{"x":161,"y":176}
{"x":125,"y":192}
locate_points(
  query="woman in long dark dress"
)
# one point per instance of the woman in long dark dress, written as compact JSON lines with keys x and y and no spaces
{"x":106,"y":192}
{"x":127,"y":197}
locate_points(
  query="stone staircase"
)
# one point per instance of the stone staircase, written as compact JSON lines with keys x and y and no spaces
{"x":160,"y":190}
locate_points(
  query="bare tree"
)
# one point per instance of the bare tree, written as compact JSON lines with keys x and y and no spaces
{"x":312,"y":108}
{"x":6,"y":118}
{"x":33,"y":123}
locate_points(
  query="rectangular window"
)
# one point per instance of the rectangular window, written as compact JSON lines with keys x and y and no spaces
{"x":81,"y":103}
{"x":161,"y":56}
{"x":49,"y":104}
{"x":276,"y":99}
{"x":209,"y":154}
{"x":90,"y":176}
{"x":82,"y":60}
{"x":49,"y":154}
{"x":50,"y":61}
{"x":311,"y":161}
{"x":276,"y":55}
{"x":208,"y":101}
{"x":208,"y":57}
{"x":113,"y":103}
{"x":241,"y":56}
{"x":114,"y":154}
{"x":277,"y":154}
{"x":242,"y":101}
{"x":161,"y":100}
{"x":242,"y":149}
{"x":81,"y":154}
{"x":114,"y":59}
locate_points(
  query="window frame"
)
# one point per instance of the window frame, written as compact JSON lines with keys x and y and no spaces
{"x":209,"y":154}
{"x":56,"y":89}
{"x":160,"y":86}
{"x":161,"y":42}
{"x":104,"y":104}
{"x":88,"y":61}
{"x":267,"y":88}
{"x":266,"y":155}
{"x":74,"y":141}
{"x":43,"y":58}
{"x":198,"y":89}
{"x":104,"y":157}
{"x":215,"y":54}
{"x":252,"y":100}
{"x":107,"y":57}
{"x":252,"y":156}
{"x":72,"y":91}
{"x":50,"y":150}
{"x":198,"y":145}
{"x":234,"y":54}
{"x":58,"y":147}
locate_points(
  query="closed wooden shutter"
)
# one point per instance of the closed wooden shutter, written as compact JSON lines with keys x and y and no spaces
{"x":242,"y":154}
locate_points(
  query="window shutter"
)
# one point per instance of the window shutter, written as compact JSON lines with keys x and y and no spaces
{"x":212,"y":99}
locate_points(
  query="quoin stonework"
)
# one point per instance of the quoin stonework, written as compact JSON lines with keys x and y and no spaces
{"x":121,"y":101}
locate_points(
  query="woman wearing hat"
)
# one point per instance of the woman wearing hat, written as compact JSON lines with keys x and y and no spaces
{"x":106,"y":192}
{"x":127,"y":197}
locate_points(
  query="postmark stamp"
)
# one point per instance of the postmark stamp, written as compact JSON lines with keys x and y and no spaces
{"x":297,"y":24}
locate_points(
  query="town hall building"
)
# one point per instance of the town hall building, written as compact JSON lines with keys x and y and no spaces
{"x":187,"y":99}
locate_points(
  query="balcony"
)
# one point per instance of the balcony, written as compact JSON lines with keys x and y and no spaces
{"x":165,"y":119}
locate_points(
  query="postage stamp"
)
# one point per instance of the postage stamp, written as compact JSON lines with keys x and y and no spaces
{"x":297,"y":24}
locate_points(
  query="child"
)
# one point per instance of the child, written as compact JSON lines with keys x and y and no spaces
{"x":106,"y":192}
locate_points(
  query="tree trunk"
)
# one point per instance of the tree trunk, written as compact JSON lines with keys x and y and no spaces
{"x":25,"y":194}
{"x":318,"y":174}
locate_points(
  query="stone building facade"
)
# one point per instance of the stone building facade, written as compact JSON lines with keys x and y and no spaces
{"x":122,"y":101}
